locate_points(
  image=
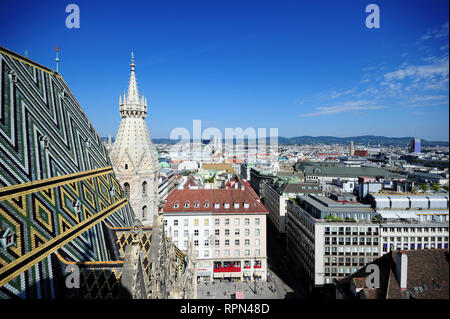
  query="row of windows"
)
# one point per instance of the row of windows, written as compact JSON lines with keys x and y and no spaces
{"x":236,"y":222}
{"x":350,"y":250}
{"x":352,"y":240}
{"x":196,"y":204}
{"x":227,"y":252}
{"x":216,"y":232}
{"x":341,"y":261}
{"x":126,"y":187}
{"x":415,"y":229}
{"x":413,"y":239}
{"x":348,"y":230}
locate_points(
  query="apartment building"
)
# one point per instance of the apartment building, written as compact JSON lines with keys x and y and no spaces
{"x":228,"y":228}
{"x":328,"y":239}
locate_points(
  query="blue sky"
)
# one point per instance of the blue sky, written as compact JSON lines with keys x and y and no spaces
{"x":304,"y":67}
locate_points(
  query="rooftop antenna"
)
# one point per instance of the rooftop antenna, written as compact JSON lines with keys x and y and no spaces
{"x":57,"y":58}
{"x":26,"y":54}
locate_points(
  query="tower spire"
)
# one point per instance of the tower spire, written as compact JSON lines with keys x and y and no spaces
{"x":133,"y":96}
{"x":131,"y":105}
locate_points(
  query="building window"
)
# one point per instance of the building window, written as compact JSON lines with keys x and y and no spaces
{"x":227,"y":253}
{"x":216,"y":242}
{"x":217,"y":232}
{"x":236,"y":222}
{"x":257,"y":242}
{"x":217,"y":253}
{"x":227,"y":221}
{"x":247,"y":221}
{"x":186,"y":222}
{"x":247,"y":232}
{"x":206,"y":222}
{"x":206,"y":204}
{"x":196,"y":204}
{"x":144,"y":213}
{"x":126,"y":187}
{"x":236,"y":232}
{"x":206,"y":243}
{"x":236,"y":253}
{"x":257,"y":252}
{"x":256,"y":221}
{"x":126,"y":166}
{"x":186,"y":205}
{"x":247,"y":242}
{"x":227,"y":232}
{"x":217,"y":221}
{"x":236,"y":242}
{"x":206,"y":253}
{"x":206,"y":232}
{"x":257,"y":232}
{"x":227,"y":242}
{"x":175,"y":205}
{"x":175,"y":233}
{"x":195,"y":222}
{"x":226,"y":205}
{"x":186,"y":233}
{"x":195,"y":242}
{"x":195,"y":232}
{"x":175,"y":222}
{"x":144,"y":188}
{"x":247,"y":252}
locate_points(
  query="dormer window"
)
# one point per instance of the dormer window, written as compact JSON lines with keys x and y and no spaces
{"x":226,"y":205}
{"x":236,"y":205}
{"x":246,"y":205}
{"x":176,"y":205}
{"x":206,"y":204}
{"x":187,"y":204}
{"x":216,"y":205}
{"x":196,"y":204}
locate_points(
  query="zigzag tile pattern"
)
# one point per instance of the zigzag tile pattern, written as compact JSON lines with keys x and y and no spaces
{"x":57,"y":187}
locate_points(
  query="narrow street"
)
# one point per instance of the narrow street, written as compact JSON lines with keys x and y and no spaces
{"x":287,"y":286}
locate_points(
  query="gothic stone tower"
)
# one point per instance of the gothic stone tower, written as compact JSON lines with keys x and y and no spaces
{"x":133,"y":155}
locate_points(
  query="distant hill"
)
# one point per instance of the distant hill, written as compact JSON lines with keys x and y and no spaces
{"x":311,"y":140}
{"x":364,"y":140}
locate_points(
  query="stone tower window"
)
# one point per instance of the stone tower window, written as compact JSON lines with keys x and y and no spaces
{"x":126,"y":186}
{"x":126,"y":166}
{"x":144,"y":213}
{"x":144,"y":187}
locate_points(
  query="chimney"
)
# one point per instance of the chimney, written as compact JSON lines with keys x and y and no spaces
{"x":402,"y":269}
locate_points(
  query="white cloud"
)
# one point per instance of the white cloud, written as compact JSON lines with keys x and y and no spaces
{"x":344,"y":107}
{"x":420,"y":71}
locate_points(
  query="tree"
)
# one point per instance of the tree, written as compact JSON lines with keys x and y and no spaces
{"x":424,"y":187}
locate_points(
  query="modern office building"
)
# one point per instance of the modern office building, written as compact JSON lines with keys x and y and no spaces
{"x":328,"y":239}
{"x":412,"y":221}
{"x":415,"y":145}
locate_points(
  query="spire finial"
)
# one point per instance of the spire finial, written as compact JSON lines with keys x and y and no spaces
{"x":57,"y":58}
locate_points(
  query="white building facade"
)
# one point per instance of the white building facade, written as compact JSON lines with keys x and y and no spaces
{"x":227,"y":227}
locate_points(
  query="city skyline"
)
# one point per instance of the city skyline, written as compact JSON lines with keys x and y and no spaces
{"x":240,"y":64}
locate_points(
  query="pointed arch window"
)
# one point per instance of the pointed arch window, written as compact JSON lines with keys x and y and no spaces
{"x":144,"y":188}
{"x":144,"y":213}
{"x":126,"y":187}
